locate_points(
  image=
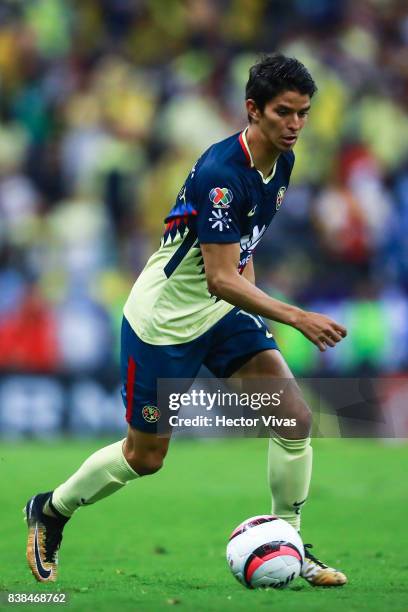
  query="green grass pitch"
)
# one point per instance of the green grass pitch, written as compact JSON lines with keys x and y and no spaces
{"x":160,"y":542}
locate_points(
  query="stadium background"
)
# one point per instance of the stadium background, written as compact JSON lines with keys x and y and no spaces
{"x":104,"y":107}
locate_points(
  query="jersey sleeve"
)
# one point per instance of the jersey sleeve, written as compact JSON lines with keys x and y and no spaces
{"x":220,"y":201}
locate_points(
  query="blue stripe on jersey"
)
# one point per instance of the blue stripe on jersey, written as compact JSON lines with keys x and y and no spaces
{"x":179,"y":255}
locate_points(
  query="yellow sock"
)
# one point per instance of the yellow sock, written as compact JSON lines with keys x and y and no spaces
{"x":100,"y":475}
{"x":289,"y":474}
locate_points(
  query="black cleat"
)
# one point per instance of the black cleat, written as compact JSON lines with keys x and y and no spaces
{"x":44,"y":538}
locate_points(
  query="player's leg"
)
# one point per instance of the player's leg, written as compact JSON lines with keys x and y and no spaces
{"x":103,"y":473}
{"x":243,"y":347}
{"x":145,"y":453}
{"x":109,"y":469}
{"x":290,"y":452}
{"x":290,"y":457}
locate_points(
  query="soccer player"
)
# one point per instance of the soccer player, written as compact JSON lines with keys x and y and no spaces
{"x":196,"y":303}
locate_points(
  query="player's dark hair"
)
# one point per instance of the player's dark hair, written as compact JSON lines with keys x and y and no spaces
{"x":274,"y":74}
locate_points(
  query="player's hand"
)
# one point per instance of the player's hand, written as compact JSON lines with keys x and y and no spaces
{"x":319,"y":329}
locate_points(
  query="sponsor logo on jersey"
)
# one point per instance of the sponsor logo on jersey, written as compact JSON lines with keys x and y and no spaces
{"x":248,"y":244}
{"x":221,"y":197}
{"x":151,"y":414}
{"x":219,"y":220}
{"x":279,"y":197}
{"x":251,"y":241}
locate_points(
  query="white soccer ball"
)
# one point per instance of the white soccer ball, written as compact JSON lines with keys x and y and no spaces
{"x":265,"y":551}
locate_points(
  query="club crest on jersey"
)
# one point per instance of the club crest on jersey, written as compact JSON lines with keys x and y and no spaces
{"x":221,"y":197}
{"x":151,"y":414}
{"x":279,"y":197}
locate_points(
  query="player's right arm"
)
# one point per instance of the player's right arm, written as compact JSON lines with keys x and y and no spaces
{"x":218,"y":230}
{"x":221,"y":269}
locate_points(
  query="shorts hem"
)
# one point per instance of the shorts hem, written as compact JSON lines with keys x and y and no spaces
{"x":243,"y":359}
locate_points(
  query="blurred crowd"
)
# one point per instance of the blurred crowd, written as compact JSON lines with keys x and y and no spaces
{"x":106,"y":104}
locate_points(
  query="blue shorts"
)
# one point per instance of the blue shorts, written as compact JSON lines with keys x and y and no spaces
{"x":223,"y":349}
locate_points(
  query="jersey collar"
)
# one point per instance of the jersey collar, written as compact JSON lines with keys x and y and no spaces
{"x":244,"y":144}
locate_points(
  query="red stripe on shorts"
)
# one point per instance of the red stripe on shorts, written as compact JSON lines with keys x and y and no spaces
{"x":130,"y":384}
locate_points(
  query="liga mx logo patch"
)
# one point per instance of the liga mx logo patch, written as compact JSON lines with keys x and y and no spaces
{"x":221,"y":197}
{"x":279,"y":197}
{"x":151,"y":414}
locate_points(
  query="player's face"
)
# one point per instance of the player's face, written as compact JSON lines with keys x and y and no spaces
{"x":283,"y":118}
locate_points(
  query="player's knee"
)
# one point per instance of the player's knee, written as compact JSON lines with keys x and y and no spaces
{"x":303,"y":418}
{"x":145,"y":464}
{"x":149,"y":466}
